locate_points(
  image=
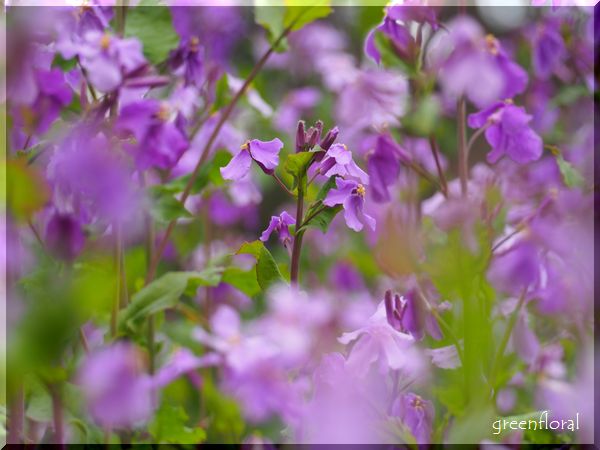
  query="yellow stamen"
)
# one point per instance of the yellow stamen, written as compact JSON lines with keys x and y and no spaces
{"x":163,"y":112}
{"x":105,"y":41}
{"x":360,"y":190}
{"x":492,"y":44}
{"x":245,"y":146}
{"x":194,"y":44}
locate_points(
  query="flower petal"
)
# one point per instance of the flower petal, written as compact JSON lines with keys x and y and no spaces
{"x":238,"y":167}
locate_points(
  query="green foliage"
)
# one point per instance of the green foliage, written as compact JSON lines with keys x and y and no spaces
{"x":423,"y":120}
{"x":154,"y":28}
{"x":226,"y":425}
{"x":170,"y":426}
{"x":165,"y":207}
{"x":267,"y":271}
{"x":296,"y":164}
{"x":571,"y":176}
{"x":27,"y":192}
{"x":271,"y":19}
{"x":244,"y":280}
{"x":222,"y":95}
{"x":164,"y":293}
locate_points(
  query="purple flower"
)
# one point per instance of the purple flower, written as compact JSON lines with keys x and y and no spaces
{"x":265,"y":153}
{"x":107,"y":59}
{"x":89,"y":178}
{"x":182,"y":362}
{"x":351,"y":195}
{"x":299,"y":102}
{"x":187,"y":58}
{"x":399,"y":33}
{"x":158,"y":142}
{"x":381,"y":344}
{"x":417,"y":414}
{"x":408,"y":314}
{"x":50,"y":93}
{"x":508,"y":132}
{"x":383,"y":165}
{"x":474,"y":65}
{"x":516,"y":269}
{"x":64,"y":236}
{"x":279,"y":224}
{"x":548,"y":48}
{"x":338,"y":161}
{"x":117,"y":391}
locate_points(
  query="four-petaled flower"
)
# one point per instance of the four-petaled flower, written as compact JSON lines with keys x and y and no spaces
{"x":279,"y":224}
{"x":351,"y":195}
{"x":338,"y":161}
{"x":508,"y":132}
{"x":265,"y":153}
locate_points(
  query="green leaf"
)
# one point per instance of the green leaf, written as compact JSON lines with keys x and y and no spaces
{"x":323,"y":219}
{"x":296,"y":164}
{"x":271,"y":19}
{"x":222,"y":94}
{"x":571,"y":176}
{"x":170,"y":426}
{"x":267,"y":271}
{"x":154,"y":28}
{"x":330,"y":184}
{"x":165,"y":207}
{"x":164,"y":293}
{"x":297,"y":14}
{"x":244,"y":280}
{"x":424,"y":118}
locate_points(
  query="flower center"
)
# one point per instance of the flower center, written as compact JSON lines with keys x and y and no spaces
{"x":417,"y":402}
{"x":245,"y":146}
{"x":360,"y":190}
{"x":163,"y":112}
{"x":492,"y":44}
{"x":104,"y":41}
{"x":194,"y":44}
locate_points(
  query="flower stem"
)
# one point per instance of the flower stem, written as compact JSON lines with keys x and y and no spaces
{"x":150,"y":236}
{"x":474,"y":137}
{"x":295,"y":265}
{"x":462,"y":146}
{"x":57,"y":415}
{"x":504,"y":342}
{"x":207,"y":148}
{"x":282,"y":184}
{"x":438,"y":165}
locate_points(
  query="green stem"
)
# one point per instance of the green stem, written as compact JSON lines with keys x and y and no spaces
{"x":504,"y":342}
{"x":295,"y":265}
{"x":150,"y":236}
{"x":462,"y":146}
{"x":438,"y":165}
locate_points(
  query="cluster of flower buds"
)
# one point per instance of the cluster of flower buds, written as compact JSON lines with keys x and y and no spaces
{"x":307,"y":140}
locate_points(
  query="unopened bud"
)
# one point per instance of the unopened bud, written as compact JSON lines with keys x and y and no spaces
{"x":300,"y":136}
{"x":329,"y":138}
{"x":313,"y":137}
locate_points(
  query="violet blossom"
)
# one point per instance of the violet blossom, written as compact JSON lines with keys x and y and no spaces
{"x":508,"y":132}
{"x":264,"y":153}
{"x":351,"y":195}
{"x":279,"y":224}
{"x":417,"y":414}
{"x":338,"y":161}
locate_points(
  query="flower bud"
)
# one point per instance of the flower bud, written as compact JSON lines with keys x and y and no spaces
{"x":313,"y":137}
{"x":300,"y":136}
{"x":329,"y":138}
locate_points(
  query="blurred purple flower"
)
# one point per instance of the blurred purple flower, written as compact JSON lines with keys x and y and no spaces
{"x":548,"y":48}
{"x":107,"y":59}
{"x":50,"y":93}
{"x":158,"y":142}
{"x":408,"y":314}
{"x":297,"y":103}
{"x":384,"y":166}
{"x":117,"y":391}
{"x":417,"y":414}
{"x":187,"y":58}
{"x":516,"y":269}
{"x":90,"y":179}
{"x":183,"y":361}
{"x":474,"y":65}
{"x":351,"y":195}
{"x":265,"y":153}
{"x":279,"y":224}
{"x":64,"y":236}
{"x":381,"y":344}
{"x":395,"y":26}
{"x":508,"y":132}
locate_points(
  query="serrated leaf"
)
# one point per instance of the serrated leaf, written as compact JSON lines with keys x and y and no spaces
{"x":153,"y":26}
{"x":164,"y":293}
{"x":298,"y":14}
{"x":267,"y":271}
